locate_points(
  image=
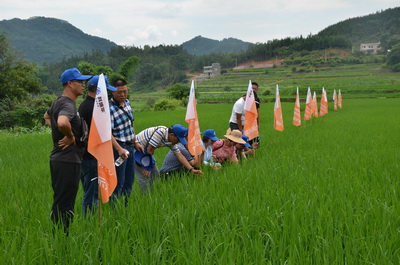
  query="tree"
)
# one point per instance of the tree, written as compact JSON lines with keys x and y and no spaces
{"x":394,"y":55}
{"x":18,"y":78}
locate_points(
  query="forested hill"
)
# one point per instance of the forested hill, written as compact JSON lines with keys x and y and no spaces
{"x":382,"y":26}
{"x":200,"y":45}
{"x":43,"y":39}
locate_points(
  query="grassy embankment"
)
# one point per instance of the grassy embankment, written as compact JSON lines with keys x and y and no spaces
{"x":355,"y":81}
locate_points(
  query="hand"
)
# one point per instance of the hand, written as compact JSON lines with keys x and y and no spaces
{"x":139,"y":147}
{"x":146,"y":173}
{"x":123,"y":153}
{"x":196,"y":172}
{"x":65,"y":142}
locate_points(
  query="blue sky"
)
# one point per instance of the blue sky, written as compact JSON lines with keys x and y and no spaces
{"x":153,"y":22}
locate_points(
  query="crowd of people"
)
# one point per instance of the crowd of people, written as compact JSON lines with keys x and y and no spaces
{"x":71,"y":163}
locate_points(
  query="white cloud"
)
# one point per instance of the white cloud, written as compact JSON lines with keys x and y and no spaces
{"x":175,"y":21}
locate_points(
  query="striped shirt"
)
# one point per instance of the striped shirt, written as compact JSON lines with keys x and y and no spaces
{"x":122,"y":121}
{"x":156,"y":137}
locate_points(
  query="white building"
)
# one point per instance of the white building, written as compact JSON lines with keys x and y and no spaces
{"x":370,"y":48}
{"x":210,"y":72}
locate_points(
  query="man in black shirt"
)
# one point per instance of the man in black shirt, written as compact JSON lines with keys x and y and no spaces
{"x":66,"y":156}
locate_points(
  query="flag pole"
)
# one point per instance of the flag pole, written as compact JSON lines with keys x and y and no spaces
{"x":99,"y":205}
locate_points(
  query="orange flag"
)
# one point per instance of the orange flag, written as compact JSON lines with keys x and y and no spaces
{"x":194,"y":139}
{"x":324,"y":104}
{"x":296,"y":115}
{"x":278,"y":121}
{"x":334,"y":100}
{"x":250,"y":119}
{"x":315,"y":106}
{"x":100,"y":145}
{"x":340,"y":99}
{"x":308,"y":111}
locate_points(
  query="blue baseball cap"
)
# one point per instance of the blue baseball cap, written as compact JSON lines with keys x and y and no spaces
{"x":246,"y":139}
{"x":181,"y":132}
{"x":145,"y":159}
{"x":95,"y":80}
{"x":73,"y":74}
{"x":210,"y":133}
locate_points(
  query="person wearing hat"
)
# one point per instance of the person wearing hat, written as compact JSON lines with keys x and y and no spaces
{"x":68,"y":134}
{"x":156,"y":137}
{"x":209,"y":138}
{"x":242,"y":150}
{"x":89,"y":163}
{"x":123,"y":131}
{"x":226,"y":148}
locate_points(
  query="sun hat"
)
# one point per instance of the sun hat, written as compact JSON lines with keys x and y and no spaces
{"x":246,"y":139}
{"x":73,"y":74}
{"x":145,"y":159}
{"x":181,"y":132}
{"x":95,"y":80}
{"x":235,"y":136}
{"x":210,"y":133}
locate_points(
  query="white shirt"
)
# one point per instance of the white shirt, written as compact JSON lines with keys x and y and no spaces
{"x":238,"y":108}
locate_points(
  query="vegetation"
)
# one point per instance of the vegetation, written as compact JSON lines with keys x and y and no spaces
{"x":201,"y":46}
{"x":44,"y":40}
{"x":323,"y":193}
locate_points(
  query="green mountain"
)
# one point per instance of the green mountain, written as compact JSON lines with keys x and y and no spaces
{"x":43,"y":39}
{"x":383,"y":26}
{"x":201,"y":46}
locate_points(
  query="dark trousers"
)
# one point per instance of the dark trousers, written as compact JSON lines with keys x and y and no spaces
{"x":233,"y":126}
{"x":89,"y":179}
{"x":65,"y":178}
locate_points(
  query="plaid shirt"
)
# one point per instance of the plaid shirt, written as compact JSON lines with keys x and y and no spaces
{"x":122,"y":121}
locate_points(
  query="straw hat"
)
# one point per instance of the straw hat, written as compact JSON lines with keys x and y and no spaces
{"x":235,"y":136}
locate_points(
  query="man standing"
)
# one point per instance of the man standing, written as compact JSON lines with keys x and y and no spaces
{"x":155,"y":137}
{"x":68,"y":132}
{"x":236,"y":121}
{"x":89,"y":163}
{"x":124,"y":133}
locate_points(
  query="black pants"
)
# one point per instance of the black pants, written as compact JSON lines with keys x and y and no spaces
{"x":233,"y":126}
{"x":65,"y":178}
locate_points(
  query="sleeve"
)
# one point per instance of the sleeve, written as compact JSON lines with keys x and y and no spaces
{"x":186,"y":153}
{"x":155,"y":139}
{"x":233,"y":156}
{"x":174,"y":148}
{"x":67,"y":109}
{"x":112,"y":117}
{"x":238,"y":108}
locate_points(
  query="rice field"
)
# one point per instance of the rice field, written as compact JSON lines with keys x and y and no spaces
{"x":327,"y":192}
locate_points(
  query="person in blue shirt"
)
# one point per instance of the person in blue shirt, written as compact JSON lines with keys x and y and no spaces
{"x":209,"y":137}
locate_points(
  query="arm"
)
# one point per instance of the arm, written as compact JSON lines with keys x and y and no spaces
{"x":46,"y":117}
{"x":239,"y":121}
{"x":187,"y":165}
{"x":150,"y":150}
{"x":121,"y":151}
{"x":64,"y":126}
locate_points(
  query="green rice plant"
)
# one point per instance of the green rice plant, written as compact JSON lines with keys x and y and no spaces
{"x":322,"y":193}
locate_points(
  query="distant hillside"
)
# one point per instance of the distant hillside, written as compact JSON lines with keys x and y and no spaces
{"x":382,"y":26}
{"x":201,"y":46}
{"x":43,"y":39}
